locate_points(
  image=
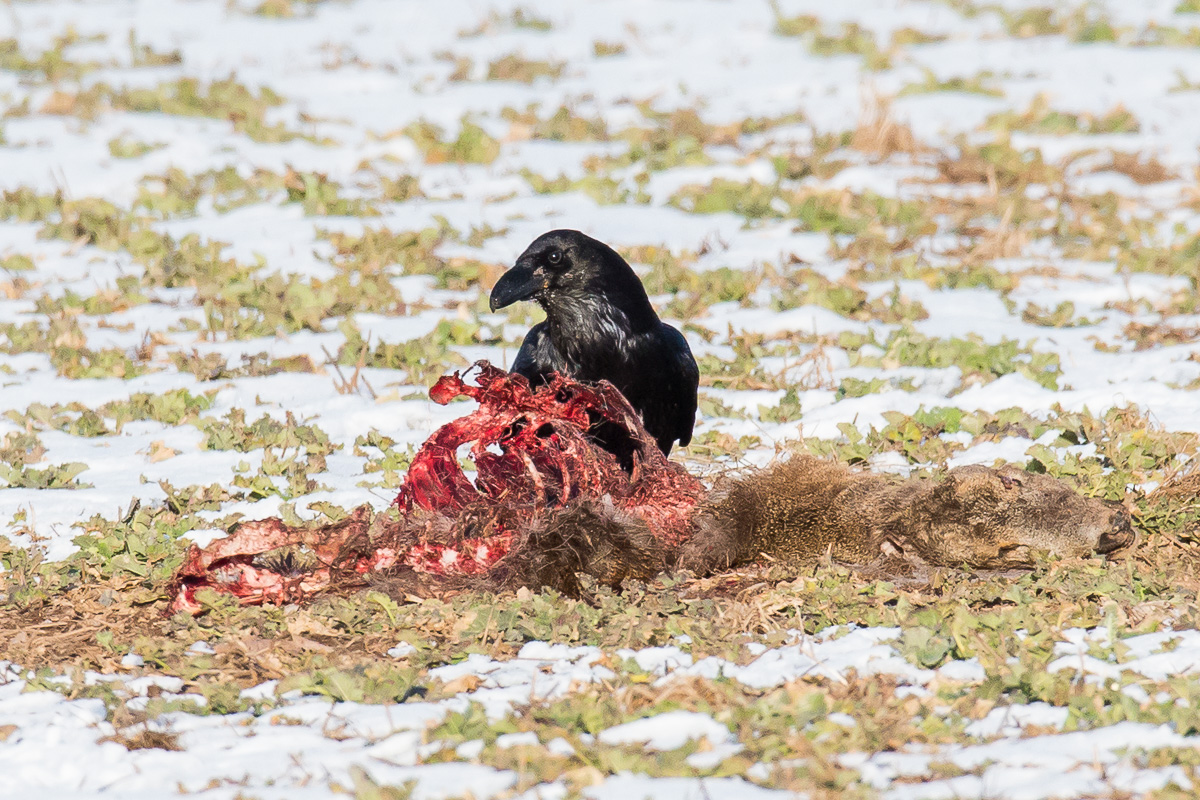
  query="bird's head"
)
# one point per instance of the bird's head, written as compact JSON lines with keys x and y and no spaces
{"x":566,"y":267}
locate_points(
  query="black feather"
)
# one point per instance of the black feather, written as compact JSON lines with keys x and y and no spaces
{"x":600,"y":326}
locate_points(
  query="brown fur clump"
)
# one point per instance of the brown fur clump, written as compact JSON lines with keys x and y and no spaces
{"x":592,"y":538}
{"x":999,"y":518}
{"x":807,"y":508}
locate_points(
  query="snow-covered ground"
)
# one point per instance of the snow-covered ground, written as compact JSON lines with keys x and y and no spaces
{"x":352,"y":79}
{"x":304,"y":747}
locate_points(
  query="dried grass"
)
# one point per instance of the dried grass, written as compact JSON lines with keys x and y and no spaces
{"x":1143,"y":169}
{"x":1146,"y":336}
{"x":144,"y":739}
{"x":879,"y":134}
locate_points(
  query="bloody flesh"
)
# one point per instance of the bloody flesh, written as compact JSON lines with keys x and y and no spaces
{"x":535,"y":453}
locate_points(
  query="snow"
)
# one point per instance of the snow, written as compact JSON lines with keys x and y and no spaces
{"x":357,"y":73}
{"x":540,"y":671}
{"x":1144,"y":657}
{"x":306,"y":739}
{"x":1010,"y":720}
{"x":626,"y":786}
{"x":861,"y":650}
{"x":668,"y":731}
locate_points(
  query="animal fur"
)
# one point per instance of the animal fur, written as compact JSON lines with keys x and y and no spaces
{"x":549,"y":504}
{"x":804,"y":509}
{"x":592,"y":538}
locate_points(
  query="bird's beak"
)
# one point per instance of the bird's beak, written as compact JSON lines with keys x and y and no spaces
{"x":519,"y":283}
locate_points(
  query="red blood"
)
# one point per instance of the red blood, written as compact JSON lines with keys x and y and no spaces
{"x":532,"y":452}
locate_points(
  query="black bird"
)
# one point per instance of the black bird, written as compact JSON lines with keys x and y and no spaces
{"x":600,"y":326}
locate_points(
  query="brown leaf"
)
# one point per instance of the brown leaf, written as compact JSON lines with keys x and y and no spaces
{"x":160,"y":452}
{"x":59,"y":103}
{"x":467,"y":683}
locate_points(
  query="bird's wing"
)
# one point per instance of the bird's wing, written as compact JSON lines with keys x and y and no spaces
{"x":683,"y":381}
{"x":538,"y":359}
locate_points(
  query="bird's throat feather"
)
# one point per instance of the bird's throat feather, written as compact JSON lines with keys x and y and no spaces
{"x":589,"y":332}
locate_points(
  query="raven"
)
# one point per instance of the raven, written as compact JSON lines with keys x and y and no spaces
{"x":600,"y":326}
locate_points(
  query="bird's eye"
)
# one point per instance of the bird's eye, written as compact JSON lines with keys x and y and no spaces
{"x":554,"y":257}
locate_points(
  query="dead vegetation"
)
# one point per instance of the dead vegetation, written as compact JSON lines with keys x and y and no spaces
{"x":879,"y":135}
{"x":135,"y":732}
{"x":1145,"y":336}
{"x":1143,"y":169}
{"x":92,"y":627}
